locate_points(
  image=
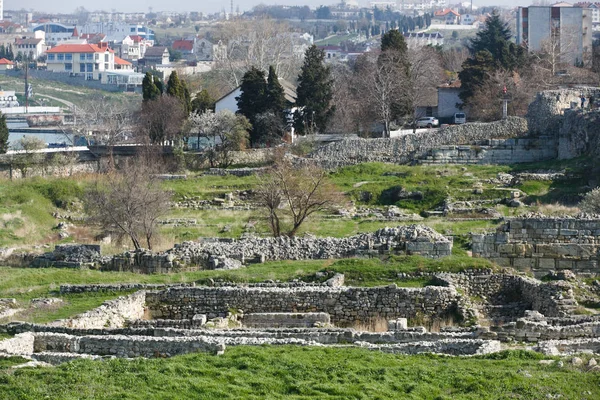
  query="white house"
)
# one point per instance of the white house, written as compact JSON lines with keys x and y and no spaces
{"x":88,"y":60}
{"x":468,"y":19}
{"x":229,"y":102}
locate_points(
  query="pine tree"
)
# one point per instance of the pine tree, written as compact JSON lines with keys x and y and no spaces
{"x":393,"y":40}
{"x":252,"y":100}
{"x":3,"y":134}
{"x":149,"y":89}
{"x":275,"y":100}
{"x":314,"y":94}
{"x":474,"y":73}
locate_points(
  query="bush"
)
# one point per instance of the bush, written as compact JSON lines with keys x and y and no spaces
{"x":591,"y":202}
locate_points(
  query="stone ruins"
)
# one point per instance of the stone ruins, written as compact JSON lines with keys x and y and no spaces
{"x":469,"y":313}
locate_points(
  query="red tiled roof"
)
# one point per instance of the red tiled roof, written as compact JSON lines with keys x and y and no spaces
{"x":136,"y":38}
{"x":445,"y":12}
{"x":120,"y":61}
{"x":78,"y":48}
{"x":187,"y":45}
{"x":4,"y":61}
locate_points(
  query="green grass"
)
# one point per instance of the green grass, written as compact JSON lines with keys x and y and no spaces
{"x":302,"y":373}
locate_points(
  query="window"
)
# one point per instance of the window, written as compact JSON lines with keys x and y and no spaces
{"x":106,"y":67}
{"x":60,"y":57}
{"x":82,"y":56}
{"x":68,"y":56}
{"x":106,"y":57}
{"x":68,"y":67}
{"x":90,"y":67}
{"x":89,"y":56}
{"x":50,"y":57}
{"x":81,"y":67}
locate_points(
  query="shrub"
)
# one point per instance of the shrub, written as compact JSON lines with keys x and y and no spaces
{"x":591,"y":202}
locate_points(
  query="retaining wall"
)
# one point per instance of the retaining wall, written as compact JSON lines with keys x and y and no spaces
{"x":541,"y":245}
{"x":345,"y":305}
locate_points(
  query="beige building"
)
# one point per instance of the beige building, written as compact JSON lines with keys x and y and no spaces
{"x":88,"y":60}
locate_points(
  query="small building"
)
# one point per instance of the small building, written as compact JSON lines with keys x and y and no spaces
{"x":29,"y":47}
{"x":122,"y":65}
{"x":6,"y":64}
{"x":448,"y":100}
{"x":156,"y":55}
{"x":420,"y":39}
{"x":229,"y":101}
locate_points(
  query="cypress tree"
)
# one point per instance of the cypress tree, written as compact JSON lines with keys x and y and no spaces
{"x":314,"y":93}
{"x":159,"y":85}
{"x":174,"y":87}
{"x":252,"y":99}
{"x":3,"y":134}
{"x":149,"y":89}
{"x":275,"y":94}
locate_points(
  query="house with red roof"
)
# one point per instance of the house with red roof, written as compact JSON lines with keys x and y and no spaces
{"x":88,"y":60}
{"x":447,"y":17}
{"x":133,"y":47}
{"x":6,"y":64}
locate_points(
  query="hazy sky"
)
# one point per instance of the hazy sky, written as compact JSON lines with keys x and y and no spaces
{"x":67,"y":6}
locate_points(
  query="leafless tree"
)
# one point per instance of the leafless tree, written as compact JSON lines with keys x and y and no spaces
{"x":295,"y":193}
{"x":28,"y":156}
{"x":452,"y":60}
{"x":129,"y":201}
{"x":350,"y":115}
{"x":224,"y":132}
{"x":259,"y":43}
{"x":382,"y":84}
{"x":104,"y":121}
{"x":426,"y":74}
{"x":161,"y":121}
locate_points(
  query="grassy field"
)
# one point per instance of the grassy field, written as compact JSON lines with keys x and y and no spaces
{"x":302,"y":373}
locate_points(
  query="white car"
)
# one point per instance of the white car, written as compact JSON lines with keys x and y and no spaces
{"x":427,"y":122}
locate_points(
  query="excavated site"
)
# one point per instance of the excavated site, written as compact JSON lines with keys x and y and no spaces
{"x":543,"y":275}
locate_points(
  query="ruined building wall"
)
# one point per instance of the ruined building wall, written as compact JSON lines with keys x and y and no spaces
{"x":543,"y":244}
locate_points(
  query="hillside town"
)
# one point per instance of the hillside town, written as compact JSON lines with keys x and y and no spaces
{"x":364,"y":199}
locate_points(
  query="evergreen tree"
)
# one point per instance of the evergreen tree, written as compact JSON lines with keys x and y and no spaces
{"x":178,"y":89}
{"x":474,"y":72}
{"x":159,"y":85}
{"x":253,"y":98}
{"x":174,"y":87}
{"x":314,"y":94}
{"x":275,"y":94}
{"x":3,"y":134}
{"x":203,"y":102}
{"x":393,"y":40}
{"x":149,"y":89}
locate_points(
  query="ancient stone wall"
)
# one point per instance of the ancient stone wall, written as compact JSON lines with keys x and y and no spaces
{"x":112,"y":313}
{"x":541,"y":245}
{"x":406,"y":148}
{"x":345,"y":305}
{"x":495,"y":151}
{"x":215,"y":253}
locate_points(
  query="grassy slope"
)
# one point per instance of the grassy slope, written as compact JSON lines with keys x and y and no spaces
{"x":294,"y":372}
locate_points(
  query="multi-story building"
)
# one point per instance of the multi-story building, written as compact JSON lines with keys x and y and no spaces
{"x":116,"y":31}
{"x":31,"y":48}
{"x":594,"y":8}
{"x":564,"y":30}
{"x":88,"y":60}
{"x":55,"y":32}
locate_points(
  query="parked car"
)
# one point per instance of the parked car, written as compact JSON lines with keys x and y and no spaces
{"x":427,"y":122}
{"x":460,"y":118}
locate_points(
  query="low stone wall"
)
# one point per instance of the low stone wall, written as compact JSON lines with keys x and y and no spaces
{"x":406,"y":148}
{"x":119,"y":287}
{"x":125,"y":346}
{"x":537,"y":327}
{"x":496,"y":151}
{"x":346,"y":305}
{"x":113,"y":313}
{"x":542,"y":244}
{"x":285,"y":320}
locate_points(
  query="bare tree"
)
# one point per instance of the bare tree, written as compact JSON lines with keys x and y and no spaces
{"x":28,"y":155}
{"x":259,"y":43}
{"x":425,"y":73}
{"x":161,"y":121}
{"x":295,"y":193}
{"x":452,"y":60}
{"x":106,"y":122}
{"x":224,"y":132}
{"x":350,"y":115}
{"x":129,"y":201}
{"x":382,"y":84}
